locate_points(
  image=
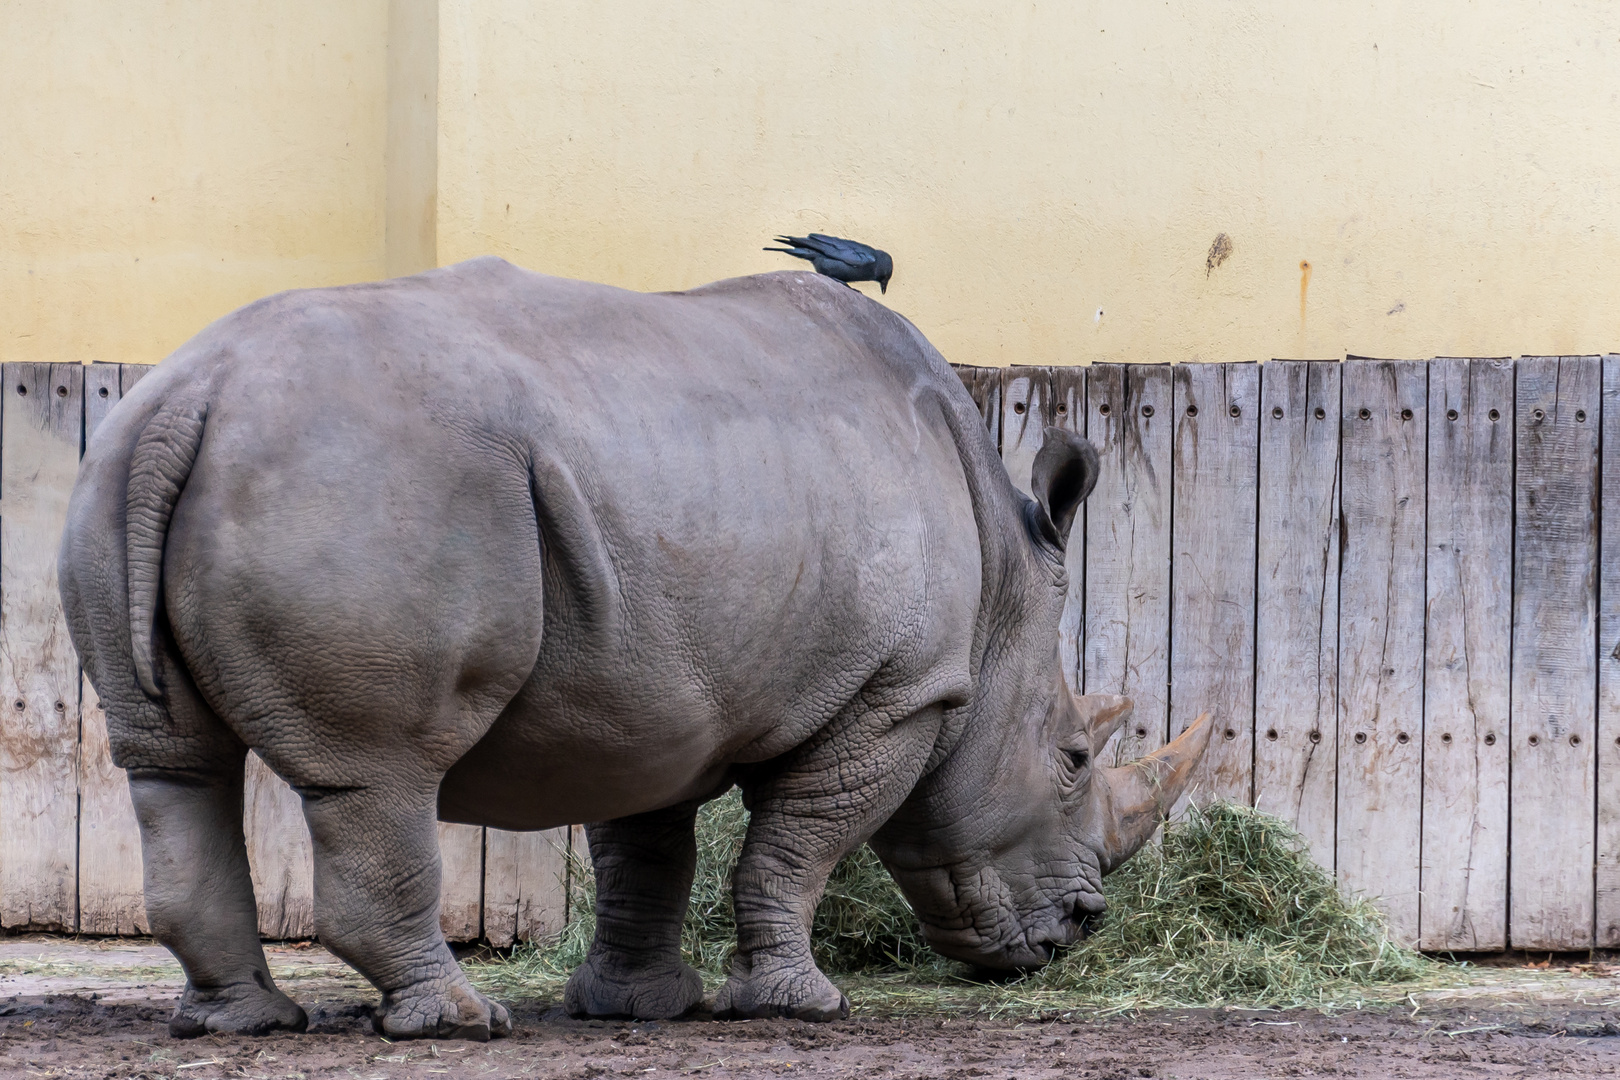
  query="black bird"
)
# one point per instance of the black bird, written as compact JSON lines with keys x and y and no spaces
{"x":842,"y":260}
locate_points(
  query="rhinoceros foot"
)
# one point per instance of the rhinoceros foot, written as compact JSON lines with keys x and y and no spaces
{"x":441,"y":1009}
{"x":602,"y":988}
{"x":791,"y":992}
{"x":239,"y":1009}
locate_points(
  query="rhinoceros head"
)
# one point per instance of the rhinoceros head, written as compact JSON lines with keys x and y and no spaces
{"x":1002,"y":848}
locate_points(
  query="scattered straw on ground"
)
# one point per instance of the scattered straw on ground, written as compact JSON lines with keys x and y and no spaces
{"x":1227,"y":910}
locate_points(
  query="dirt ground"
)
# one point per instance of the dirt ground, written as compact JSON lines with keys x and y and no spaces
{"x":87,"y":1009}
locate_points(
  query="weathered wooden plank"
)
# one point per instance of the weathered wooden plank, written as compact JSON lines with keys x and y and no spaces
{"x":984,"y":385}
{"x":1297,"y":602}
{"x":1608,"y":660}
{"x":111,"y":900}
{"x":1554,"y":706}
{"x":130,"y":374}
{"x":1027,"y":408}
{"x":279,"y":853}
{"x":1468,"y":647}
{"x":43,"y":423}
{"x":1212,"y":536}
{"x":461,"y":888}
{"x":1383,"y":443}
{"x":1130,"y":415}
{"x":525,"y":884}
{"x":1068,"y":411}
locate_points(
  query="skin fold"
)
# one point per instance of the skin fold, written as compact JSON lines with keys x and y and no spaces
{"x":486,"y":546}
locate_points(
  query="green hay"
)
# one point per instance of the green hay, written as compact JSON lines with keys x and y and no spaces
{"x":1227,"y":909}
{"x":1230,"y":908}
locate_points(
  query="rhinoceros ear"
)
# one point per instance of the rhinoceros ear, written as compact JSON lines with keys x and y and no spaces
{"x":1064,"y":473}
{"x":1100,"y":715}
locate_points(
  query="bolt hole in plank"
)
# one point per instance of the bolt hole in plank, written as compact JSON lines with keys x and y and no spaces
{"x":1468,"y":640}
{"x":1381,"y":610}
{"x":1554,"y":673}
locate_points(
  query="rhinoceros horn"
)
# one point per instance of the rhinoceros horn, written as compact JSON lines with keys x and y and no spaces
{"x":1138,"y":797}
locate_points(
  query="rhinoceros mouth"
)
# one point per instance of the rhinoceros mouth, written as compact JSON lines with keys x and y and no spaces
{"x":1019,"y":950}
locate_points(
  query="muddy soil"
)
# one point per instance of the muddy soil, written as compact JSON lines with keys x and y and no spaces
{"x":73,"y":1011}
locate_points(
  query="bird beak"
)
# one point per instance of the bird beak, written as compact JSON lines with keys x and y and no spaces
{"x":883,"y":286}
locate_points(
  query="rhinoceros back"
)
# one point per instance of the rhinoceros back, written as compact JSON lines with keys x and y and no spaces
{"x":554,"y":530}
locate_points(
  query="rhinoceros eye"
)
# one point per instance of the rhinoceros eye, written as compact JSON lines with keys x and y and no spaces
{"x":1079,"y":759}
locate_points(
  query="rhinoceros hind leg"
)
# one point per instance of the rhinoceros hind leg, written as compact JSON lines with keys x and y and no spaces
{"x":644,"y":867}
{"x":808,"y":811}
{"x":377,"y":877}
{"x":199,"y":898}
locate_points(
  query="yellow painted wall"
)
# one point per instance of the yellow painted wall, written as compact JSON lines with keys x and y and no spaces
{"x":162,"y":163}
{"x":1447,"y":169}
{"x":1450,"y":170}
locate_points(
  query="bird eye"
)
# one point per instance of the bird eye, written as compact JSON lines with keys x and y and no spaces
{"x":1079,"y":759}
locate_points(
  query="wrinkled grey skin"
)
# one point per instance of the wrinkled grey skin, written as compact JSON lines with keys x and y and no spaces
{"x":486,"y":546}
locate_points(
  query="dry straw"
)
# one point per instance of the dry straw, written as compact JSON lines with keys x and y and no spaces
{"x":1228,"y":909}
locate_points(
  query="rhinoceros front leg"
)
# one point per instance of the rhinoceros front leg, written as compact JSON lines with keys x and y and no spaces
{"x":377,"y":877}
{"x":199,"y":900}
{"x":644,"y":868}
{"x":824,"y":800}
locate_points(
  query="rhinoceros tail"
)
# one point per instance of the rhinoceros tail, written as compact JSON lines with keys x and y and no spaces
{"x":163,"y":458}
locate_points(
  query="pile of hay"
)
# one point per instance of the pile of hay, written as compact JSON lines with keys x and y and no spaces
{"x":1228,"y":908}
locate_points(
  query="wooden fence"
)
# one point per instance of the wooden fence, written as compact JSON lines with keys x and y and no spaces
{"x":1396,"y":584}
{"x":70,"y":855}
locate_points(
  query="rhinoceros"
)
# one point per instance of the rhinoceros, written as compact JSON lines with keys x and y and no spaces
{"x":487,"y":546}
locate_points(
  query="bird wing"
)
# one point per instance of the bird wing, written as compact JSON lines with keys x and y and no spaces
{"x":850,"y":252}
